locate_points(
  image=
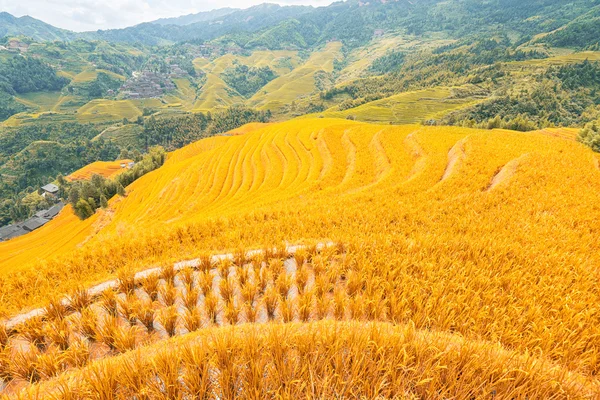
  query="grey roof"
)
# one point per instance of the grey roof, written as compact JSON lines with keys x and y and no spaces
{"x":51,"y":212}
{"x":11,"y":231}
{"x":7,"y":230}
{"x":33,"y":223}
{"x":50,"y":188}
{"x":54,"y":210}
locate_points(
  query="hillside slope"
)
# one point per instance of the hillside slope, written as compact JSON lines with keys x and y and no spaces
{"x":443,"y":230}
{"x":31,"y":27}
{"x":302,"y":165}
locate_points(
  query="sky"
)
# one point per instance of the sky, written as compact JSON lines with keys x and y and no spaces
{"x":91,"y":15}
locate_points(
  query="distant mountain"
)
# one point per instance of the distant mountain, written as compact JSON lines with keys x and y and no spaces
{"x":198,"y":17}
{"x":31,"y":27}
{"x":354,"y":22}
{"x":248,"y":20}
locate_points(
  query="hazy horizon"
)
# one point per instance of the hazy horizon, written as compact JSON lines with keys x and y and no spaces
{"x":91,"y":15}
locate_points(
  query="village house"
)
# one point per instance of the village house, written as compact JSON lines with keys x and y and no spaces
{"x":40,"y":218}
{"x":11,"y":231}
{"x":33,"y":223}
{"x":15,"y":44}
{"x":50,"y":190}
{"x":51,"y":212}
{"x":146,"y":84}
{"x":177,"y":72}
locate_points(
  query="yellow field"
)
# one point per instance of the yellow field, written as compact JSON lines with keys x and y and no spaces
{"x":91,"y":74}
{"x":324,"y":359}
{"x":564,"y":133}
{"x":215,"y":94}
{"x":361,"y":58}
{"x":403,"y":108}
{"x":184,"y":97}
{"x":563,"y":59}
{"x":476,"y":250}
{"x":260,"y":58}
{"x":107,"y":110}
{"x":43,"y":101}
{"x":106,"y":169}
{"x":249,"y":127}
{"x":298,"y":83}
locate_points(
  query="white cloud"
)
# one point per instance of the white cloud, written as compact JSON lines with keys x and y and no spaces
{"x":85,"y":15}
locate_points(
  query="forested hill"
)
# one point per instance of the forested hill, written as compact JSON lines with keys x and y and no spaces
{"x":559,"y":22}
{"x":198,"y":17}
{"x":31,"y":27}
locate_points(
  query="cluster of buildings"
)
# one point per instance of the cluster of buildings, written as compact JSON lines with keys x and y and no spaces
{"x":15,"y":45}
{"x":146,"y":84}
{"x":40,"y":219}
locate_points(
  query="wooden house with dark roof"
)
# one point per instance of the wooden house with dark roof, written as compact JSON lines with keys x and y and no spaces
{"x":34,"y":223}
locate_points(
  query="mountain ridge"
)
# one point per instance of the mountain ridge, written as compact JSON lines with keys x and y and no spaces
{"x":195,"y":17}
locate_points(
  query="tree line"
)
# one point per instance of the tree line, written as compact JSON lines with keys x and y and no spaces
{"x":87,"y":196}
{"x":174,"y":132}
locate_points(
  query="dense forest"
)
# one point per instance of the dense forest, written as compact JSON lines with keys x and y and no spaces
{"x":248,"y":80}
{"x":9,"y":106}
{"x":590,"y":135}
{"x":24,"y":74}
{"x":178,"y":131}
{"x":563,"y":96}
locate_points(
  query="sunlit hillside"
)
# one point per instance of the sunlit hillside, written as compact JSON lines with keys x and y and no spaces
{"x":405,"y":108}
{"x":106,"y":169}
{"x":476,"y":250}
{"x":300,"y":82}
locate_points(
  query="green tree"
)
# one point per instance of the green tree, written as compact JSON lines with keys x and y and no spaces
{"x":74,"y":195}
{"x":590,"y":136}
{"x":120,"y":189}
{"x":83,"y":209}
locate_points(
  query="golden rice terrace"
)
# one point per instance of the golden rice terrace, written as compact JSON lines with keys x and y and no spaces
{"x":365,"y":261}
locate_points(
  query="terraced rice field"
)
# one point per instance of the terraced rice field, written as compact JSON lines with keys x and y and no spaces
{"x":403,"y":108}
{"x":215,"y":94}
{"x":360,"y":59}
{"x":464,"y":260}
{"x":106,"y":169}
{"x":184,"y":97}
{"x":123,"y":135}
{"x":564,"y":133}
{"x":249,"y":127}
{"x":91,"y":74}
{"x":564,"y":58}
{"x":107,"y":110}
{"x":42,"y":101}
{"x":299,"y":83}
{"x":273,"y":59}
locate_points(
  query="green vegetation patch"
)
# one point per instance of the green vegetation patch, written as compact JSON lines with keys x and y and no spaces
{"x":247,"y":80}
